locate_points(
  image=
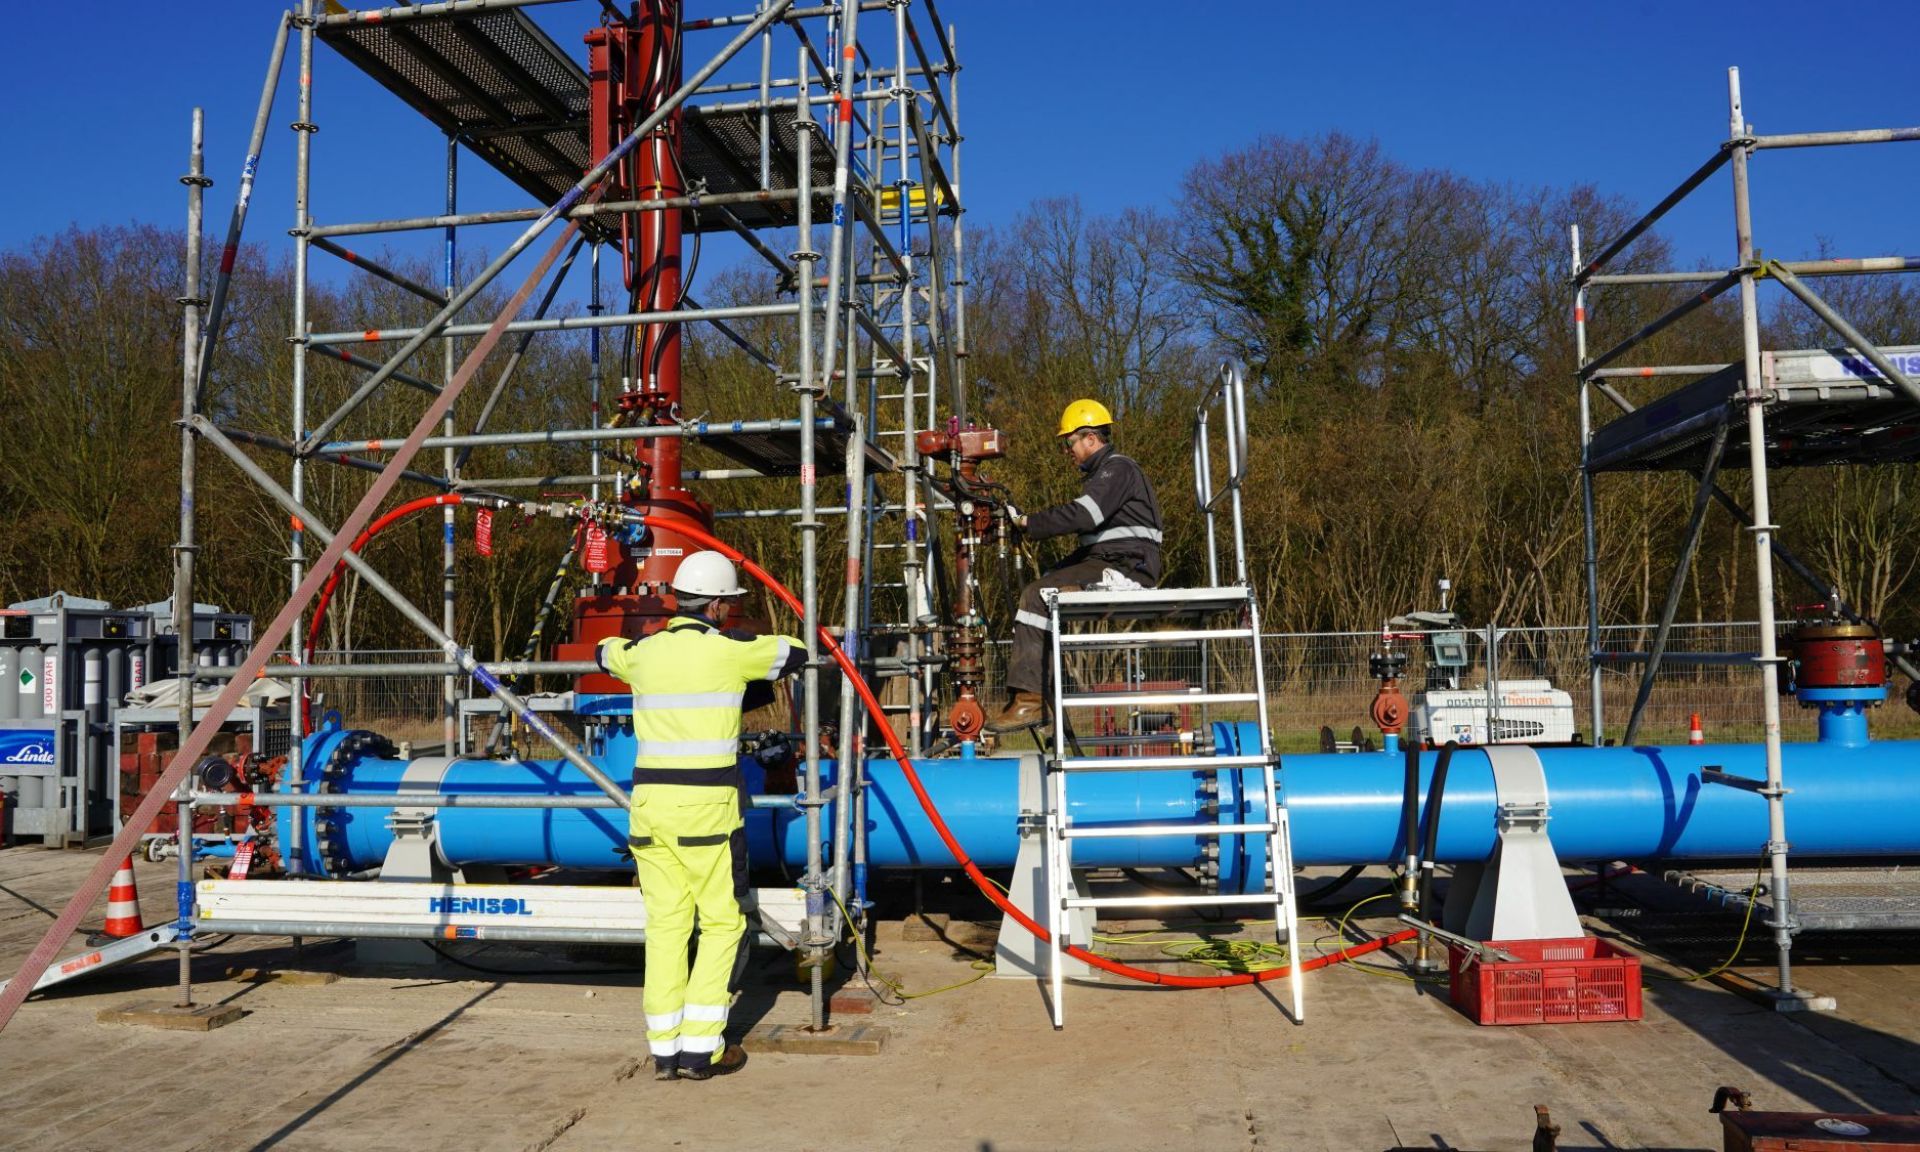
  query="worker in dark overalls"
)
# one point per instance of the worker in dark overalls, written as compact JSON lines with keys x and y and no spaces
{"x":1116,"y":521}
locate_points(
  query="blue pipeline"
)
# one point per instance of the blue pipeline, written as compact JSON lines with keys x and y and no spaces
{"x":1607,"y":803}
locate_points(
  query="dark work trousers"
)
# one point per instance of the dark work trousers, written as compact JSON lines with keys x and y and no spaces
{"x":1027,"y":667}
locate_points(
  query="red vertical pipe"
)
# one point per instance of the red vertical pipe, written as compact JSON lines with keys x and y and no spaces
{"x":633,"y":67}
{"x":657,"y":175}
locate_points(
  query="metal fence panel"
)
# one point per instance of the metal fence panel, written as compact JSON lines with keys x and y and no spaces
{"x":1314,"y":680}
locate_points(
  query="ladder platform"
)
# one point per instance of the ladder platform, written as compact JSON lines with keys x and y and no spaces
{"x":1149,"y":603}
{"x":1165,"y":900}
{"x":1087,"y":630}
{"x":1148,"y":639}
{"x":1108,"y":831}
{"x":1196,"y":696}
{"x":1154,"y":763}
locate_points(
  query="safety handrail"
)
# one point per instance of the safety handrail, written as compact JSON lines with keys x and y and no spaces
{"x":1230,"y":390}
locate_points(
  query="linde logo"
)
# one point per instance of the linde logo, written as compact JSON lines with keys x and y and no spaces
{"x":30,"y":753}
{"x":479,"y":906}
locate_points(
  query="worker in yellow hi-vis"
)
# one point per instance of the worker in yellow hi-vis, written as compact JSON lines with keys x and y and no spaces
{"x":689,"y":680}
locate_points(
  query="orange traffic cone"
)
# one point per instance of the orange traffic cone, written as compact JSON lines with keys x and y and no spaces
{"x":1694,"y":735}
{"x":123,"y":904}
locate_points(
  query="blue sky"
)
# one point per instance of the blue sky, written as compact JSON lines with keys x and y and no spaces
{"x":1111,"y":102}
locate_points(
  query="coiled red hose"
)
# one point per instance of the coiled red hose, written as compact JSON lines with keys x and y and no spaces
{"x":967,"y":865}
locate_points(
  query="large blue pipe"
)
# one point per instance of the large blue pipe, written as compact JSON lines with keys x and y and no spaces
{"x":1847,"y":799}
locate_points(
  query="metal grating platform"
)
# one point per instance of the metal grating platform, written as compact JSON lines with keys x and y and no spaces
{"x":501,"y":84}
{"x":778,"y":453}
{"x":720,"y":152}
{"x":1828,"y":406}
{"x":494,"y":79}
{"x":1859,"y":899}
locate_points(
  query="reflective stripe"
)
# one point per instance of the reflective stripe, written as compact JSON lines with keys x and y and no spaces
{"x":639,"y":841}
{"x":700,"y":1044}
{"x":780,"y":652}
{"x":673,"y":702}
{"x":703,"y":841}
{"x":664,"y":1047}
{"x":1093,"y":507}
{"x":1128,"y":533}
{"x":707,"y":1012}
{"x":665,"y":1022}
{"x":1032,"y":619}
{"x":650,"y":748}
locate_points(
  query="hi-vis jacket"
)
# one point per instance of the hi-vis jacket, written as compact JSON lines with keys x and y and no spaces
{"x":689,"y":680}
{"x":1116,"y":518}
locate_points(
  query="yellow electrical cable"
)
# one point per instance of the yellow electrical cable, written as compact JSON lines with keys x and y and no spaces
{"x":1340,"y":933}
{"x":982,"y":968}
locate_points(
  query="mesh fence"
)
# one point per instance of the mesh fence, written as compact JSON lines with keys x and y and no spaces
{"x":1321,"y":680}
{"x":1314,"y":680}
{"x":398,"y":707}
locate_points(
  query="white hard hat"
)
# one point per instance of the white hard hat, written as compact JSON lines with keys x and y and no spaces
{"x":707,"y":575}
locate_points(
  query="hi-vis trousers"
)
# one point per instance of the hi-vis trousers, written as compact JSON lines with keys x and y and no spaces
{"x":680,"y":841}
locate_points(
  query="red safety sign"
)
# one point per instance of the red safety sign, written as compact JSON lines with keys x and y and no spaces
{"x":242,"y":861}
{"x":595,"y":554}
{"x":483,"y":532}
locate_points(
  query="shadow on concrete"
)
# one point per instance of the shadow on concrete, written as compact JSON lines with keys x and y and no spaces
{"x":390,"y":1055}
{"x":1834,"y":1062}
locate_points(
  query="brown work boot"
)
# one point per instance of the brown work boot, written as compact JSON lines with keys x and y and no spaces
{"x":1025,"y":710}
{"x":731,"y":1058}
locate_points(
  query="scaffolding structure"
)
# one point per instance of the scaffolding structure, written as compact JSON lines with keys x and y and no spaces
{"x":861,"y":141}
{"x":1854,"y":404}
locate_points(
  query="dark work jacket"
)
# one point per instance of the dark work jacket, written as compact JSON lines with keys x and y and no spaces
{"x":1116,"y":518}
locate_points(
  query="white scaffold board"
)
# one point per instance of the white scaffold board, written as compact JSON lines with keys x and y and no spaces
{"x":452,"y":906}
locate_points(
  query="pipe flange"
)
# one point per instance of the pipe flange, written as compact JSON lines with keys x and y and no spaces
{"x":329,"y":829}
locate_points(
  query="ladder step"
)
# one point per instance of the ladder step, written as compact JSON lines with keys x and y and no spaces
{"x":1161,"y":900}
{"x":1151,"y":763}
{"x":1090,"y":602}
{"x":1144,"y":639}
{"x":1102,"y":699}
{"x":1071,"y":833}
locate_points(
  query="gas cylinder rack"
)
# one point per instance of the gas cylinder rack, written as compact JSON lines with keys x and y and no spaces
{"x":67,"y":664}
{"x":1854,"y":403}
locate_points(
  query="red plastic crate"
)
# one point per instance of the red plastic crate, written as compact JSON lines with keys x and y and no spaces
{"x":1570,"y":981}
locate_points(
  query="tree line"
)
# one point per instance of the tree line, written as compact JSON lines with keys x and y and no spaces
{"x":1408,"y":341}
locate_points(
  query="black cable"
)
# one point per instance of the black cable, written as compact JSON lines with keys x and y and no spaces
{"x":1436,"y":796}
{"x":1331,"y":886}
{"x":1135,"y":875}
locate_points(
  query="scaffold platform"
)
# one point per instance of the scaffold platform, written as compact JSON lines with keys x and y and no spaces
{"x":777,"y":453}
{"x":1880,"y":898}
{"x":1824,"y":406}
{"x":511,"y":94}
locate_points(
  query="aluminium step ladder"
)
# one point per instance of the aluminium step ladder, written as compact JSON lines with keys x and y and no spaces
{"x":1214,"y":623}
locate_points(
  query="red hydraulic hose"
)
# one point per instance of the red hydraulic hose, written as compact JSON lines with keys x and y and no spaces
{"x":340,"y":570}
{"x":972,"y":869}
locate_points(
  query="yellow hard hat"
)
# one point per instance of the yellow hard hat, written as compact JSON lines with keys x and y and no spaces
{"x":1084,"y":414}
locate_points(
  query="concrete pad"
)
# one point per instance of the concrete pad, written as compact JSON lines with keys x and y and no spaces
{"x":445,"y":1058}
{"x":164,"y":1014}
{"x":835,"y":1040}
